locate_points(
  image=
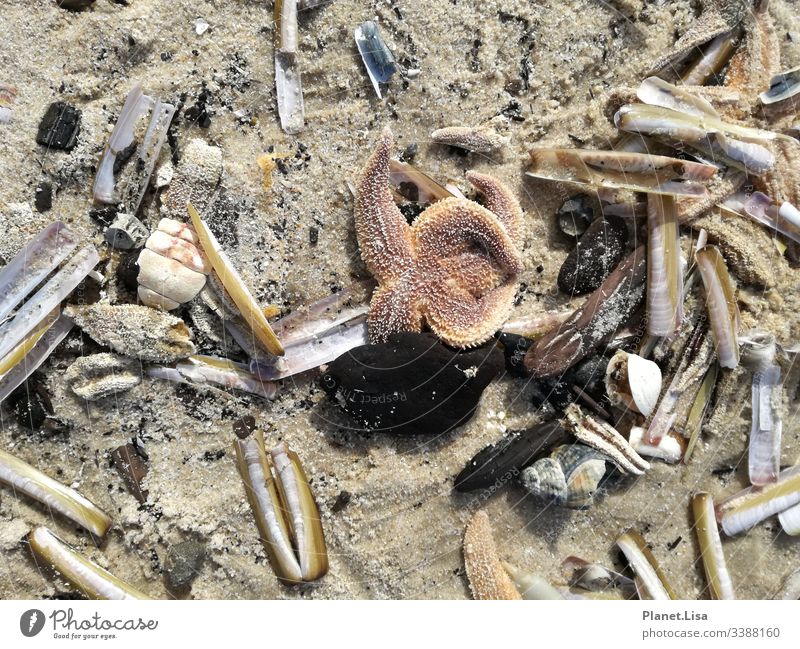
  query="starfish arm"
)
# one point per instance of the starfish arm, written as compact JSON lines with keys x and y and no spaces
{"x":393,"y":309}
{"x":499,"y":200}
{"x":462,"y":320}
{"x":442,"y":229}
{"x":384,"y":236}
{"x":475,"y":269}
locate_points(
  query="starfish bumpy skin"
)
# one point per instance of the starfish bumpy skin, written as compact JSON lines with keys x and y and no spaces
{"x":454,"y":269}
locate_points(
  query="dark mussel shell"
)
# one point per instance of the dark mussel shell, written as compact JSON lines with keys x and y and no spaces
{"x":596,"y":254}
{"x":411,"y":384}
{"x":506,"y":457}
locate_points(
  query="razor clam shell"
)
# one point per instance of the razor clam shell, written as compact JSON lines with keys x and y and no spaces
{"x":747,"y":508}
{"x":35,"y":356}
{"x":28,"y":480}
{"x":404,"y":178}
{"x":622,"y":170}
{"x":664,"y":267}
{"x":509,"y":455}
{"x":714,"y":58}
{"x":90,"y":579}
{"x":377,"y":57}
{"x":531,"y":586}
{"x":765,"y":432}
{"x":758,"y":349}
{"x":32,"y":264}
{"x":790,"y":520}
{"x":760,"y":207}
{"x":288,"y":84}
{"x":215,"y":372}
{"x":651,"y":582}
{"x":154,"y":138}
{"x":699,"y":409}
{"x":605,"y":311}
{"x":48,"y":298}
{"x":782,"y":86}
{"x":723,"y":312}
{"x":711,"y":554}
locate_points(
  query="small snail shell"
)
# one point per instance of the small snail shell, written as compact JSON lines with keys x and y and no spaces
{"x":633,"y":382}
{"x":569,"y":477}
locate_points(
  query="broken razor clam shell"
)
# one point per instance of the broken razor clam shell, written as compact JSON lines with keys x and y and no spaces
{"x":766,"y":429}
{"x":90,"y":579}
{"x":639,"y":172}
{"x":234,"y":286}
{"x":377,"y":57}
{"x":664,"y":268}
{"x":723,"y":311}
{"x":210,"y":371}
{"x":414,"y":185}
{"x":650,"y":580}
{"x":33,"y":263}
{"x":123,"y":137}
{"x":98,"y":376}
{"x":711,"y":554}
{"x":288,"y":84}
{"x":670,"y":447}
{"x":135,"y":331}
{"x":715,"y":57}
{"x":782,"y":87}
{"x":126,"y":233}
{"x":412,"y":383}
{"x":605,"y":311}
{"x":286,"y":513}
{"x":487,"y":578}
{"x":757,"y":349}
{"x":172,"y":270}
{"x":478,"y":139}
{"x":531,"y":586}
{"x":508,"y":456}
{"x":791,"y":587}
{"x":569,"y":477}
{"x":633,"y":382}
{"x":747,"y":508}
{"x":598,"y":252}
{"x":24,"y":478}
{"x":604,"y":438}
{"x":785,"y":218}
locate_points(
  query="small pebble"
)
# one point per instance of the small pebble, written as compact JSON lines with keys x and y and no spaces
{"x":183,"y":563}
{"x":44,"y":197}
{"x":244,"y":426}
{"x":59,"y":127}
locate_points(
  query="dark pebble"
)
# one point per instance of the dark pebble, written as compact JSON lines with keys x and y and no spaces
{"x":183,"y":563}
{"x":313,"y":236}
{"x":410,"y":152}
{"x":589,"y":375}
{"x":75,"y":5}
{"x":244,"y":426}
{"x":504,"y":459}
{"x":104,"y":215}
{"x":553,"y":393}
{"x":514,"y":349}
{"x":342,"y":501}
{"x":596,"y":254}
{"x":411,"y":384}
{"x":575,"y":215}
{"x":128,"y":270}
{"x":132,"y":468}
{"x":43,"y":200}
{"x":59,"y":127}
{"x":31,"y":404}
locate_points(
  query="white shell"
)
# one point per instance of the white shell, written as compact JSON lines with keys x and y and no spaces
{"x":668,"y":449}
{"x":634,"y":382}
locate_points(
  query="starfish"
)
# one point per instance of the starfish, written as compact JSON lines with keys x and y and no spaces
{"x":454,"y":269}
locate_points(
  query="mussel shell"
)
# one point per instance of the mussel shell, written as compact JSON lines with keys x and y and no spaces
{"x":411,"y":384}
{"x":509,"y":455}
{"x":514,"y":349}
{"x":596,"y":254}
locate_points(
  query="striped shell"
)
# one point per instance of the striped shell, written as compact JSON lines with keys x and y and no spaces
{"x":569,"y":477}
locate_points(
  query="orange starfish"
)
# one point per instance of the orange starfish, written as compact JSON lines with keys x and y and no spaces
{"x":455,"y":268}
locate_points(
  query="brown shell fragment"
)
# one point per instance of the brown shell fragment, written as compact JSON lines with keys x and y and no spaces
{"x":593,"y":324}
{"x":487,"y":577}
{"x":135,"y":331}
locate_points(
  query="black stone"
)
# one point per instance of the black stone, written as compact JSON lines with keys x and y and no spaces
{"x":596,"y":254}
{"x":59,"y":127}
{"x":514,"y":349}
{"x":411,"y":384}
{"x":503,"y":460}
{"x":75,"y":5}
{"x":184,"y":561}
{"x":342,"y":501}
{"x":313,"y":236}
{"x":244,"y":426}
{"x":128,"y":271}
{"x":43,"y":200}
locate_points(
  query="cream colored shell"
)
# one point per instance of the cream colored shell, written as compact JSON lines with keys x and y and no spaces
{"x":633,"y":382}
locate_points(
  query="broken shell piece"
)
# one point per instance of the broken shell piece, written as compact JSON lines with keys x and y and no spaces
{"x":414,"y":185}
{"x":215,"y":372}
{"x":284,"y":508}
{"x":98,"y":376}
{"x":650,"y":580}
{"x":288,"y":84}
{"x":486,"y":575}
{"x":639,"y":172}
{"x":791,"y":587}
{"x":235,"y":286}
{"x":633,"y":382}
{"x":592,"y":576}
{"x":603,"y":437}
{"x":377,"y":57}
{"x":790,"y":520}
{"x":719,"y":581}
{"x":25,"y":479}
{"x":85,"y":575}
{"x":782,"y":87}
{"x":126,"y":233}
{"x":766,"y":428}
{"x":747,"y":508}
{"x":569,"y":477}
{"x":670,"y":447}
{"x":478,"y":139}
{"x":135,"y":331}
{"x":7,"y":96}
{"x":723,"y":311}
{"x":531,"y":586}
